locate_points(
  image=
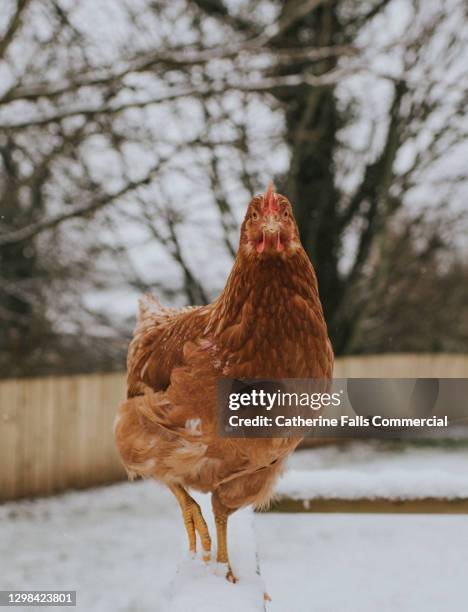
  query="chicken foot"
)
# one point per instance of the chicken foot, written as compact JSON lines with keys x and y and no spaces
{"x":221,"y":514}
{"x":193,"y":520}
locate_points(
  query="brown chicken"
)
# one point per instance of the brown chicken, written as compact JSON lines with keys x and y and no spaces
{"x":267,"y":323}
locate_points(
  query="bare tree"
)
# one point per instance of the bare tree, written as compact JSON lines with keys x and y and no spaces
{"x":347,"y":192}
{"x":416,"y":294}
{"x":95,"y":132}
{"x":128,"y":151}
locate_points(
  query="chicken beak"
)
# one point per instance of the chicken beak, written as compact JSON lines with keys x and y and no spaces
{"x":271,"y":234}
{"x":271,"y":227}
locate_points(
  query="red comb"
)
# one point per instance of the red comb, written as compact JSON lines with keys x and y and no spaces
{"x":270,"y":203}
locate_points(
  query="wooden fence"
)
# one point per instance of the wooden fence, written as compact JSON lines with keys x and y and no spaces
{"x":423,"y":365}
{"x":56,"y":433}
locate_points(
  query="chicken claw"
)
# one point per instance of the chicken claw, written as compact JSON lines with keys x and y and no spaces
{"x":194,"y":521}
{"x":221,"y":514}
{"x":230,"y":576}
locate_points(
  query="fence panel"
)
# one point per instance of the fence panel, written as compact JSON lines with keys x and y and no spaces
{"x":56,"y":433}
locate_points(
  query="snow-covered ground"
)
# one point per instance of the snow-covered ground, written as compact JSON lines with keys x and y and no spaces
{"x":366,"y":470}
{"x":364,"y":563}
{"x":202,"y":587}
{"x":122,"y":548}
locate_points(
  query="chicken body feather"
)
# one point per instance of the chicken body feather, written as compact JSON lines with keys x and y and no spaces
{"x":267,"y":323}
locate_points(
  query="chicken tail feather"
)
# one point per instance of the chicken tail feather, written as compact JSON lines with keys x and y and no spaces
{"x":150,"y":306}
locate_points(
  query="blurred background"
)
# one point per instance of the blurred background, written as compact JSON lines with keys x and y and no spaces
{"x":134,"y":133}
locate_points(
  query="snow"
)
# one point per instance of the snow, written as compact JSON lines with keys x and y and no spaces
{"x":364,"y":563}
{"x":118,"y":546}
{"x":203,"y":587}
{"x":123,"y":548}
{"x":371,"y":471}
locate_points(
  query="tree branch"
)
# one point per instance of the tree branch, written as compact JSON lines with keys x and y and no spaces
{"x":264,"y":85}
{"x":178,"y":59}
{"x":30,"y":231}
{"x":13,"y":26}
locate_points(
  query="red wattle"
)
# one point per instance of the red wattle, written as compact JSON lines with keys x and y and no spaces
{"x":261,"y":245}
{"x":279,"y":245}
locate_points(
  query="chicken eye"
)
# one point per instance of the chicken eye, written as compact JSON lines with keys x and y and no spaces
{"x":255,"y":215}
{"x":285,"y":214}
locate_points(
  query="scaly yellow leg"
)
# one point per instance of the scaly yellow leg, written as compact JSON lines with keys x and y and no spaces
{"x":221,"y":514}
{"x":193,"y":520}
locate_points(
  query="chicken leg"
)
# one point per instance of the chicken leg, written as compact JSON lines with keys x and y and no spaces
{"x":221,"y":514}
{"x":193,"y":520}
